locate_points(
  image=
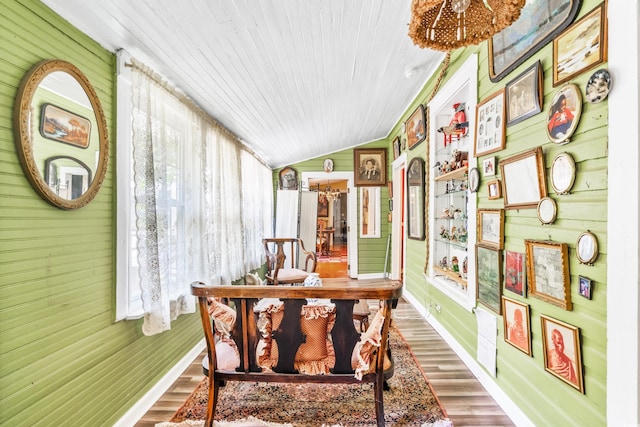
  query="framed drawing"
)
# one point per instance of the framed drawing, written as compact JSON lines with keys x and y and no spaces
{"x":493,"y":189}
{"x":490,"y":124}
{"x":547,"y":210}
{"x":489,"y":276}
{"x":539,"y":22}
{"x":491,"y":227}
{"x":514,"y":273}
{"x":523,"y":179}
{"x":415,"y":199}
{"x":563,"y":173}
{"x":584,"y":287}
{"x":548,"y":272}
{"x":561,"y":348}
{"x":370,"y":166}
{"x":396,"y":147}
{"x":370,"y":212}
{"x":489,"y":166}
{"x":598,"y":86}
{"x":62,"y":125}
{"x":564,"y":115}
{"x":288,"y":178}
{"x":581,"y":46}
{"x":587,"y":248}
{"x":524,"y":95}
{"x":517,"y":326}
{"x":416,"y":127}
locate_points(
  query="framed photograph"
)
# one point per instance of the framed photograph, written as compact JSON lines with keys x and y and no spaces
{"x":548,"y":272}
{"x":564,"y":115}
{"x":415,"y":199}
{"x":561,"y":348}
{"x":587,"y":248}
{"x":370,"y":212}
{"x":489,"y":276}
{"x":416,"y":127}
{"x":547,"y":210}
{"x":489,"y":166}
{"x":538,"y":24}
{"x":491,"y":227}
{"x":523,"y":179}
{"x":517,"y":325}
{"x":584,"y":288}
{"x":493,"y":189}
{"x":288,"y":178}
{"x":598,"y":86}
{"x":581,"y":46}
{"x":396,"y":147}
{"x":371,"y":166}
{"x":514,"y":273}
{"x":323,"y":207}
{"x":524,"y":95}
{"x":490,"y":124}
{"x":62,"y":125}
{"x":563,"y":173}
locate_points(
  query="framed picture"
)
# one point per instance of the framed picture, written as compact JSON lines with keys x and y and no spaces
{"x":563,"y":173}
{"x":415,"y":199}
{"x":288,"y":178}
{"x":547,"y":210}
{"x":538,"y":24}
{"x":561,"y":348}
{"x":489,"y":166}
{"x":490,"y":124}
{"x":581,"y":46}
{"x":370,"y":212}
{"x":524,"y":95}
{"x":323,"y":207}
{"x":584,"y":287}
{"x":396,"y":147}
{"x":564,"y":115}
{"x":491,"y":227}
{"x":587,"y":248}
{"x":523,"y":179}
{"x":548,"y":272}
{"x":62,"y":125}
{"x":493,"y":189}
{"x":489,"y":276}
{"x":514,"y":273}
{"x":517,"y":325}
{"x":416,"y":127}
{"x":371,"y":166}
{"x":598,"y":86}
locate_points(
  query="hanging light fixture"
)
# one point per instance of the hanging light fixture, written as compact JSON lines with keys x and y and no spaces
{"x":449,"y":24}
{"x":329,"y":194}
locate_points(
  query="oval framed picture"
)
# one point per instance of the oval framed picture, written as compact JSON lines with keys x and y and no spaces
{"x":587,"y":248}
{"x":474,"y":180}
{"x":547,"y":210}
{"x":564,"y":115}
{"x":598,"y":86}
{"x":563,"y":173}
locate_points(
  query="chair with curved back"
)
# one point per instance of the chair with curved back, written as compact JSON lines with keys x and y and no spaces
{"x":279,"y":271}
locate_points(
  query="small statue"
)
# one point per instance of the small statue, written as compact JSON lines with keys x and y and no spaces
{"x":454,"y":264}
{"x":457,"y":126}
{"x":443,"y":263}
{"x":444,"y":234}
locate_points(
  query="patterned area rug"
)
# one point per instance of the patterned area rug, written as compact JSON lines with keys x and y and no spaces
{"x":409,"y":402}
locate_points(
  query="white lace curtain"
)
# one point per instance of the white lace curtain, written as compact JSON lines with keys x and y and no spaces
{"x":202,"y":203}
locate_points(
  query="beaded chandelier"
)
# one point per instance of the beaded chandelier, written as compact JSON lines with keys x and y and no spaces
{"x":449,"y":24}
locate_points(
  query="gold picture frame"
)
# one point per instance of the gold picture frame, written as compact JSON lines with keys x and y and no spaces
{"x":416,"y":127}
{"x":491,"y":227}
{"x":370,"y":167}
{"x":494,"y":189}
{"x":517,"y":324}
{"x":562,"y":353}
{"x":548,"y":272}
{"x":523,"y":179}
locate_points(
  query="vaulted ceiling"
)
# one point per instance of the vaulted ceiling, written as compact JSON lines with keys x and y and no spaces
{"x":291,"y":79}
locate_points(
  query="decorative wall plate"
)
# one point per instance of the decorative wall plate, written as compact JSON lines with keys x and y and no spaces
{"x":563,"y":173}
{"x":598,"y":86}
{"x":547,"y":210}
{"x":587,"y":248}
{"x":474,"y":180}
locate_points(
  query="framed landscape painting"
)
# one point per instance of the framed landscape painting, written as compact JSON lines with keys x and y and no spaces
{"x":489,"y":277}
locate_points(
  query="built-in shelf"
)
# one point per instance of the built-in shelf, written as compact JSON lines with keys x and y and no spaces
{"x":454,"y":174}
{"x":451,"y":275}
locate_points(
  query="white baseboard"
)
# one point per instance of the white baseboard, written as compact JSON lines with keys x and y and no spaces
{"x":511,"y":409}
{"x":138,"y":410}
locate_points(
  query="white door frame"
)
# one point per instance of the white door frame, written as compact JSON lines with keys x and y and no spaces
{"x":398,"y":242}
{"x":352,"y":212}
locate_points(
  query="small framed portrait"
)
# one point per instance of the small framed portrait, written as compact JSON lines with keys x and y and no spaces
{"x":564,"y":115}
{"x":397,"y":147}
{"x":584,"y":287}
{"x":563,"y":173}
{"x":517,"y":326}
{"x":514,"y":273}
{"x":548,"y":272}
{"x":524,"y":95}
{"x":598,"y":86}
{"x":489,"y":277}
{"x":288,"y":178}
{"x":489,"y":166}
{"x":370,"y":166}
{"x":562,"y":354}
{"x":581,"y":46}
{"x":493,"y":189}
{"x":491,"y":227}
{"x":416,"y":127}
{"x":490,"y":124}
{"x":587,"y":248}
{"x":523,"y":179}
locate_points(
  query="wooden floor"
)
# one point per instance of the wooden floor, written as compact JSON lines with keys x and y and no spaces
{"x":467,"y":403}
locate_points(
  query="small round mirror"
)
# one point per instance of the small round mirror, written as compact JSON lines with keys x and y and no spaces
{"x":61,"y":134}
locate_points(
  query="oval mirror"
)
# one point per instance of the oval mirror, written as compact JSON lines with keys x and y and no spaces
{"x":61,"y":134}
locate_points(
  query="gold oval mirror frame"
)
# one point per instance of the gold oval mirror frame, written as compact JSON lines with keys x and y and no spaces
{"x":44,"y":144}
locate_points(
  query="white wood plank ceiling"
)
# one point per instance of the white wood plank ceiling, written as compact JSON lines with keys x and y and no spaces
{"x":291,"y":79}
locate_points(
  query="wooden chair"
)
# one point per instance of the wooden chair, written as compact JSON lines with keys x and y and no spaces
{"x":280,"y":272}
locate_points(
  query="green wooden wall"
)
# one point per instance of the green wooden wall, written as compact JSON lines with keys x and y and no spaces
{"x":63,"y":359}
